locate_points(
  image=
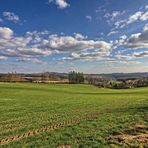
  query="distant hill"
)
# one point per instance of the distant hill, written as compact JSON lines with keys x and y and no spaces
{"x":113,"y":76}
{"x":126,"y":75}
{"x":57,"y":75}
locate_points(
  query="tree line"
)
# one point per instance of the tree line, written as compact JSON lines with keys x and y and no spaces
{"x":75,"y":77}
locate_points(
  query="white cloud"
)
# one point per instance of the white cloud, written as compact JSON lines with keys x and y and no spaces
{"x":137,"y":16}
{"x":70,"y":43}
{"x":134,"y":41}
{"x":119,"y":42}
{"x":11,"y":16}
{"x":5,"y":33}
{"x":3,"y":58}
{"x":141,"y":54}
{"x":126,"y":58}
{"x":140,"y":15}
{"x":145,"y":27}
{"x":89,"y":55}
{"x":112,"y":16}
{"x":146,"y":7}
{"x":21,"y":46}
{"x":38,"y":44}
{"x":123,"y":37}
{"x":79,"y":36}
{"x":138,"y":40}
{"x":32,"y":60}
{"x":133,"y":18}
{"x":111,"y":33}
{"x":144,"y":16}
{"x":130,"y":57}
{"x":33,"y":51}
{"x":89,"y":17}
{"x":120,"y":24}
{"x":62,"y":4}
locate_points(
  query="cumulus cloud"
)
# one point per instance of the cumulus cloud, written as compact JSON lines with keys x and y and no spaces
{"x":79,"y":36}
{"x":62,"y":4}
{"x":142,"y":16}
{"x":123,"y":37}
{"x":80,"y":47}
{"x":5,"y":33}
{"x":40,"y":44}
{"x":141,"y":54}
{"x":137,"y":16}
{"x":11,"y":16}
{"x":89,"y":55}
{"x":134,"y":17}
{"x":72,"y":43}
{"x":134,"y":41}
{"x":131,"y":57}
{"x":119,"y":42}
{"x":145,"y":27}
{"x":138,"y":40}
{"x":20,"y":46}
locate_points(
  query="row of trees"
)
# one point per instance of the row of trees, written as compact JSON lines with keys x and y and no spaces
{"x":75,"y":77}
{"x":78,"y":78}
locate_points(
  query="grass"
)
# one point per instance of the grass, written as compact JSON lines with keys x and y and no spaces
{"x":26,"y":106}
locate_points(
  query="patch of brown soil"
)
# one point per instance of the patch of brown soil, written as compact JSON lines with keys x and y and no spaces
{"x":137,"y":136}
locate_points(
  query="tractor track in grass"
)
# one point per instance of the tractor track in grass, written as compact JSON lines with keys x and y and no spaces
{"x":54,"y":116}
{"x":51,"y":127}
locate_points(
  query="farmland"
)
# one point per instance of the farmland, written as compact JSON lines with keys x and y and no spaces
{"x":52,"y":115}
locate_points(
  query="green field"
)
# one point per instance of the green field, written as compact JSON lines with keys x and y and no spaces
{"x":28,"y":107}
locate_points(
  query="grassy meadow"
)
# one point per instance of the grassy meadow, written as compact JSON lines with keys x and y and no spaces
{"x":26,"y":107}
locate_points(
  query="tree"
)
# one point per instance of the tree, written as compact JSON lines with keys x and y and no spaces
{"x":75,"y":77}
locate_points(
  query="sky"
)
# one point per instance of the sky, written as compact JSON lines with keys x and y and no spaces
{"x":90,"y":36}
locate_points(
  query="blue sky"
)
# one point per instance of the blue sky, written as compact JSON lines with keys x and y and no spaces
{"x":97,"y":36}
